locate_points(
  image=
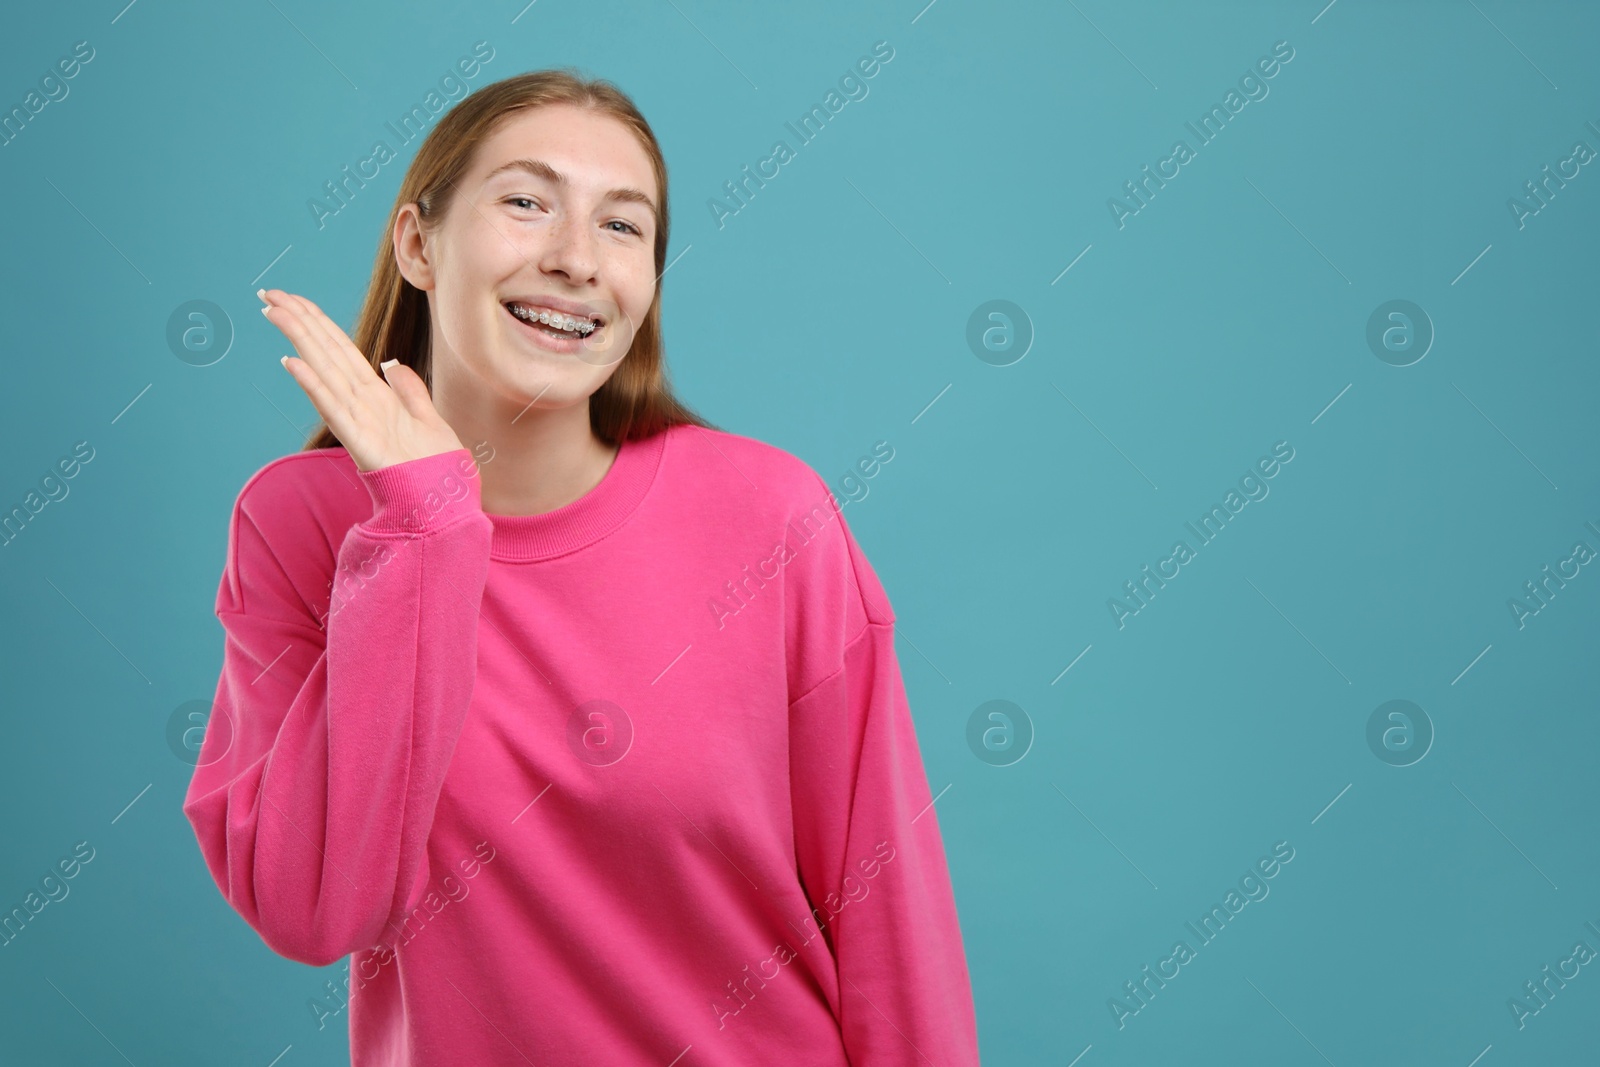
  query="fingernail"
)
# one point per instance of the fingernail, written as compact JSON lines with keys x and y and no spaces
{"x":284,"y":362}
{"x":262,"y":293}
{"x":386,"y":364}
{"x":265,"y":310}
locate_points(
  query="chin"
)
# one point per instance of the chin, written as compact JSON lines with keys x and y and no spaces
{"x":543,"y":384}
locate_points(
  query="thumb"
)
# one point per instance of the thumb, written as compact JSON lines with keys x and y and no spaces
{"x":409,"y":387}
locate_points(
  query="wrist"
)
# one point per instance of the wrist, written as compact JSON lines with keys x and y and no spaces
{"x":419,"y":495}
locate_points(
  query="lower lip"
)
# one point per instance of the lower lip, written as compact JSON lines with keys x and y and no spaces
{"x":545,"y":339}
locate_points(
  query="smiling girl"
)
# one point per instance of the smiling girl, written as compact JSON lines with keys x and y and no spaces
{"x":538,"y":660}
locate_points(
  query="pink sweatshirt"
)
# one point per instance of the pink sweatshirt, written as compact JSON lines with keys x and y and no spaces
{"x":630,"y":782}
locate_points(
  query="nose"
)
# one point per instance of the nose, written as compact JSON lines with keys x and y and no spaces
{"x":569,"y":250}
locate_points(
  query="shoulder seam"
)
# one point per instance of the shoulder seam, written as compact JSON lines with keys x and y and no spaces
{"x":307,"y":627}
{"x":848,"y":645}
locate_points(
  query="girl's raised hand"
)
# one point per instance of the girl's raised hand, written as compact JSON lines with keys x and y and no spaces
{"x":380,"y":423}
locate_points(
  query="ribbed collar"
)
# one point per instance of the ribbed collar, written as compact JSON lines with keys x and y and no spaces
{"x":528,"y":538}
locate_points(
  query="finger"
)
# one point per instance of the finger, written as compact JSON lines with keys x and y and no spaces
{"x":356,"y":364}
{"x":313,"y":346}
{"x":316,"y":325}
{"x":331,"y":411}
{"x":411,"y":390}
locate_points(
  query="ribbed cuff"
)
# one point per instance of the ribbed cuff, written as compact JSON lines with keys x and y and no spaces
{"x":424,"y":494}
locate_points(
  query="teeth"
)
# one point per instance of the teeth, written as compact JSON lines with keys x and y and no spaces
{"x":581,"y":327}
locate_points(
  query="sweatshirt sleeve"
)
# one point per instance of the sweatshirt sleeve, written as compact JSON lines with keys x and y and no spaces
{"x":869,"y":850}
{"x":328,"y":743}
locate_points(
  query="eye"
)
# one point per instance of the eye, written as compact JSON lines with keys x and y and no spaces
{"x":523,"y":199}
{"x":631,"y":227}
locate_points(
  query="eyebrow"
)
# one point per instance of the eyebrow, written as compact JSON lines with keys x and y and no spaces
{"x":540,"y":169}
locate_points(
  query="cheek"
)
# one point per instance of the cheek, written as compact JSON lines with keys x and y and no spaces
{"x":638,"y":289}
{"x":481,"y":259}
{"x":473,"y":274}
{"x":466,"y":319}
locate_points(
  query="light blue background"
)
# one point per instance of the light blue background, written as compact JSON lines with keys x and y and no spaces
{"x":1230,"y":313}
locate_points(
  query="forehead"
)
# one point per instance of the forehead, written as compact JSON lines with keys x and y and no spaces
{"x":592,"y":150}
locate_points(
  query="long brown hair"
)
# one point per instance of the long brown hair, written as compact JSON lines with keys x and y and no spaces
{"x":393,"y":323}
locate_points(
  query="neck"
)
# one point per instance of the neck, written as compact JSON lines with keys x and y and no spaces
{"x":536,"y":461}
{"x":532,"y":476}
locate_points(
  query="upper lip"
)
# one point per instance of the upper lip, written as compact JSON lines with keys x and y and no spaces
{"x":555,"y":303}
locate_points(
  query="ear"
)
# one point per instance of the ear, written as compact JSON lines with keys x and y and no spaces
{"x":411,"y":251}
